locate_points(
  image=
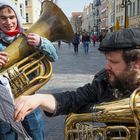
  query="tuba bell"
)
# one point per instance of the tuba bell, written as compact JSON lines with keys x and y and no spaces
{"x":116,"y":120}
{"x":52,"y":24}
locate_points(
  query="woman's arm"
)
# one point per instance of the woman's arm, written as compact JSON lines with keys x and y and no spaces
{"x":43,"y":44}
{"x":48,"y":48}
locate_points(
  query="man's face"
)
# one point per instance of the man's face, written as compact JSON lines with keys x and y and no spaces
{"x":121,"y":76}
{"x":8,"y":20}
{"x":115,"y":66}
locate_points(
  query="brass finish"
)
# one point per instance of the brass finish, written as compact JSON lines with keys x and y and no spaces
{"x":120,"y":116}
{"x":52,"y":24}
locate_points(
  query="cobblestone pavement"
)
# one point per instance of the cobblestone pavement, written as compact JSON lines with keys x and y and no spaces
{"x":70,"y":72}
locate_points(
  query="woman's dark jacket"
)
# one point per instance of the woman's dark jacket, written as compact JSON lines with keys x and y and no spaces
{"x":73,"y":101}
{"x":76,"y":40}
{"x":85,"y":38}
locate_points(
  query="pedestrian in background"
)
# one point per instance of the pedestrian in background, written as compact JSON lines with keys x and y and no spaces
{"x":102,"y":35}
{"x":75,"y":42}
{"x":94,"y":39}
{"x":59,"y":44}
{"x":86,"y":41}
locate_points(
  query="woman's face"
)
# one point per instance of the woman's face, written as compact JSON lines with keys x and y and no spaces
{"x":8,"y":20}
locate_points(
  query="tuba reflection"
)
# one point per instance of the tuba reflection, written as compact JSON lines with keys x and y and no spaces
{"x":52,"y":24}
{"x":121,"y":118}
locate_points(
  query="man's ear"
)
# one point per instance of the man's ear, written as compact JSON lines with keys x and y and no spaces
{"x":137,"y":64}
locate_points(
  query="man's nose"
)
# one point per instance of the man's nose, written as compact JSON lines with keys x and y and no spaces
{"x":107,"y":66}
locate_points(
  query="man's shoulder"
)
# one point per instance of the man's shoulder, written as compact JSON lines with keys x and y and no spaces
{"x":102,"y":74}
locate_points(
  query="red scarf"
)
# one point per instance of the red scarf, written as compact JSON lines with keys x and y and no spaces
{"x":17,"y":31}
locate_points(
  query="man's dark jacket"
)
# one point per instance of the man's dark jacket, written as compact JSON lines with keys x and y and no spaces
{"x":74,"y":101}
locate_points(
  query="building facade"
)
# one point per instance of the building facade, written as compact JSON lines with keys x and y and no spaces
{"x":96,"y":16}
{"x":134,"y":13}
{"x":76,"y":22}
{"x":104,"y":12}
{"x":111,"y":14}
{"x":107,"y":12}
{"x":29,"y":11}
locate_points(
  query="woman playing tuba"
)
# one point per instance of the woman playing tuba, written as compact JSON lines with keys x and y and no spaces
{"x":27,"y":74}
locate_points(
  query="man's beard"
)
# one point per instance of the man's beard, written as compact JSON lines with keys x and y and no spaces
{"x":126,"y":82}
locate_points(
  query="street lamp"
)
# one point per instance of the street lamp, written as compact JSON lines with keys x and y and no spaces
{"x":124,"y":5}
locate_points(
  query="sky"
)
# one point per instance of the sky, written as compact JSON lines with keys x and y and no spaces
{"x":69,"y":6}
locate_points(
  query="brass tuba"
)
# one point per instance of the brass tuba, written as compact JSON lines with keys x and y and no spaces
{"x":116,"y":120}
{"x":52,"y":24}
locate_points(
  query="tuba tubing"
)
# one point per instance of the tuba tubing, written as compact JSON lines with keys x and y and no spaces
{"x":53,"y":25}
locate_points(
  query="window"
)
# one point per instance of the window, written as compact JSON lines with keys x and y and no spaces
{"x":26,"y":2}
{"x":133,"y":8}
{"x":27,"y":17}
{"x":121,"y":20}
{"x":138,"y":7}
{"x":117,"y":9}
{"x":21,"y":9}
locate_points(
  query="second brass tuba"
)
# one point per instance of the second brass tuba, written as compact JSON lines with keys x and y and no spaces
{"x":52,"y":24}
{"x":116,"y":120}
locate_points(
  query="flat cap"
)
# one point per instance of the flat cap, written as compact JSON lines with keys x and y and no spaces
{"x":128,"y":38}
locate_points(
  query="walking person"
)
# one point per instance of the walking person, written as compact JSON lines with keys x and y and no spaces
{"x":102,"y":36}
{"x":94,"y":39}
{"x":75,"y":42}
{"x":86,"y":41}
{"x":10,"y":29}
{"x":59,"y":44}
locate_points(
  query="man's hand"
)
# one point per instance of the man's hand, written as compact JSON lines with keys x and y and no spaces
{"x":25,"y":105}
{"x":33,"y":39}
{"x":3,"y":58}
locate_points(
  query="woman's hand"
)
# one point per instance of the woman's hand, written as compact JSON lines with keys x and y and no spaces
{"x":3,"y":58}
{"x":33,"y":39}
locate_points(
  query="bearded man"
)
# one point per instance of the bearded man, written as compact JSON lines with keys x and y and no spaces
{"x":117,"y":80}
